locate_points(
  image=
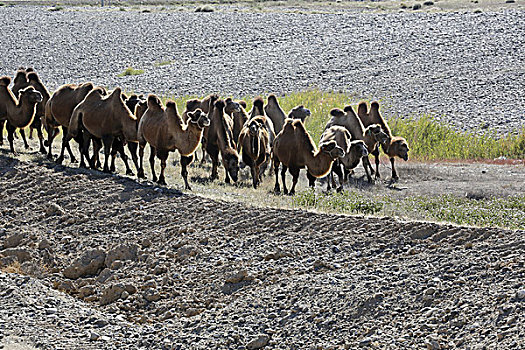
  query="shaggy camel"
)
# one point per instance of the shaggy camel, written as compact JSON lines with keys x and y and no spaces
{"x":105,"y":118}
{"x":372,"y":135}
{"x":397,"y":146}
{"x":18,"y":113}
{"x":295,"y":149}
{"x":254,"y":142}
{"x":276,"y":114}
{"x":58,"y":114}
{"x":34,"y":81}
{"x":166,"y":132}
{"x":236,"y":111}
{"x":220,"y":140}
{"x":354,"y":151}
{"x":19,"y":82}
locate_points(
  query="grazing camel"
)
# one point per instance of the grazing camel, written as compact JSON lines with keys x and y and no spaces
{"x":58,"y":114}
{"x":354,"y":151}
{"x":397,"y":147}
{"x":105,"y":118}
{"x":220,"y":140}
{"x":276,"y":114}
{"x":254,"y":141}
{"x":295,"y":149}
{"x":18,"y":113}
{"x":166,"y":132}
{"x":372,"y":135}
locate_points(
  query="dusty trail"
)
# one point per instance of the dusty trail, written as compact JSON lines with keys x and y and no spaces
{"x":190,"y":272}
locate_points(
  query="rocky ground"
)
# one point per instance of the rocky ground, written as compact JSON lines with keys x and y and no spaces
{"x":463,"y":68}
{"x":105,"y":262}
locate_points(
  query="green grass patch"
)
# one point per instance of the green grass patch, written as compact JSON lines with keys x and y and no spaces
{"x":344,"y":202}
{"x":131,"y":71}
{"x":163,"y":63}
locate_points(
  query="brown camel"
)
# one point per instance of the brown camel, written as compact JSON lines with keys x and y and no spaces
{"x":58,"y":114}
{"x":165,"y":131}
{"x":372,"y":135}
{"x":254,"y":142}
{"x":276,"y":114}
{"x":104,"y":118}
{"x":354,"y":151}
{"x":34,"y":81}
{"x":295,"y":149}
{"x":236,"y":111}
{"x":19,"y":82}
{"x":397,"y":147}
{"x":220,"y":140}
{"x":18,"y":113}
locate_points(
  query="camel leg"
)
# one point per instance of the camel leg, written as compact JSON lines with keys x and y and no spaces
{"x":295,"y":178}
{"x":277,"y":188}
{"x":337,"y":170}
{"x":257,"y":177}
{"x":376,"y":156}
{"x":283,"y":178}
{"x":311,"y":179}
{"x":367,"y":166}
{"x":394,"y":172}
{"x":11,"y":136}
{"x":254,"y":179}
{"x":83,"y":156}
{"x":152,"y":153}
{"x":125,"y":160}
{"x":86,"y":140}
{"x":132,"y":147}
{"x":23,"y":134}
{"x":140,"y":171}
{"x":163,"y":156}
{"x":97,"y":145}
{"x":107,"y":141}
{"x":203,"y":148}
{"x":184,"y":162}
{"x":214,"y":165}
{"x":2,"y":124}
{"x":31,"y":128}
{"x":115,"y":147}
{"x":50,"y":137}
{"x":40,"y":136}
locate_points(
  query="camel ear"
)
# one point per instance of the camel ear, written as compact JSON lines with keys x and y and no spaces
{"x":336,"y":112}
{"x":5,"y":81}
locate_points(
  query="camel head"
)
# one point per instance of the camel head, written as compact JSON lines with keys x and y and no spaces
{"x":336,"y":112}
{"x":378,"y":134}
{"x":358,"y":147}
{"x":299,"y":112}
{"x":254,"y":126}
{"x":200,"y":118}
{"x":31,"y":95}
{"x":400,"y":145}
{"x":231,"y":106}
{"x":332,"y":149}
{"x":231,"y":163}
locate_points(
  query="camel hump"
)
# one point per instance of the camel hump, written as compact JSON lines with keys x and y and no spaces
{"x":33,"y":76}
{"x":30,"y":69}
{"x":362,"y":109}
{"x":336,"y":112}
{"x":154,"y":102}
{"x":374,"y":106}
{"x":88,"y":85}
{"x":349,"y":109}
{"x":272,"y":98}
{"x":219,"y":104}
{"x":243,"y":104}
{"x":116,"y":92}
{"x":172,"y":106}
{"x":5,"y":81}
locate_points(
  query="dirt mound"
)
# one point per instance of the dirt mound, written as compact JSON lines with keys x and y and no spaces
{"x":162,"y":269}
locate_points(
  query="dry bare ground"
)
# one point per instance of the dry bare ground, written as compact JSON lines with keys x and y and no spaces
{"x":111,"y":263}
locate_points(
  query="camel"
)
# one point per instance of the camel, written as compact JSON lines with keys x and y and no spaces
{"x":34,"y":81}
{"x":105,"y":118}
{"x":254,"y":142}
{"x":295,"y":149}
{"x":372,"y":135}
{"x":397,"y":147}
{"x":354,"y":151}
{"x":220,"y":140}
{"x":276,"y":114}
{"x":18,"y":113}
{"x":19,"y":82}
{"x":236,"y":111}
{"x":58,"y":114}
{"x":166,"y":132}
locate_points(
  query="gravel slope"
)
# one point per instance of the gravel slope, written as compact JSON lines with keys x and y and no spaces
{"x":192,"y":273}
{"x":464,"y":68}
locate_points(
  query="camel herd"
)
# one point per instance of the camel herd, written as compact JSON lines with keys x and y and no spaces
{"x":261,"y":137}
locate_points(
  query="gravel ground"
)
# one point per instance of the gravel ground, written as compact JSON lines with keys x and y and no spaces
{"x":139,"y":266}
{"x":464,"y":68}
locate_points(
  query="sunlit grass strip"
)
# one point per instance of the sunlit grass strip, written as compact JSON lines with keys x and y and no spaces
{"x":131,"y":71}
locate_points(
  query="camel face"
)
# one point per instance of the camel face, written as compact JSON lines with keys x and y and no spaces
{"x":359,"y":147}
{"x":198,"y":117}
{"x":232,"y":166}
{"x":231,"y":106}
{"x":333,"y":150}
{"x":378,"y":133}
{"x":300,"y":112}
{"x":401,"y":149}
{"x":31,"y":95}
